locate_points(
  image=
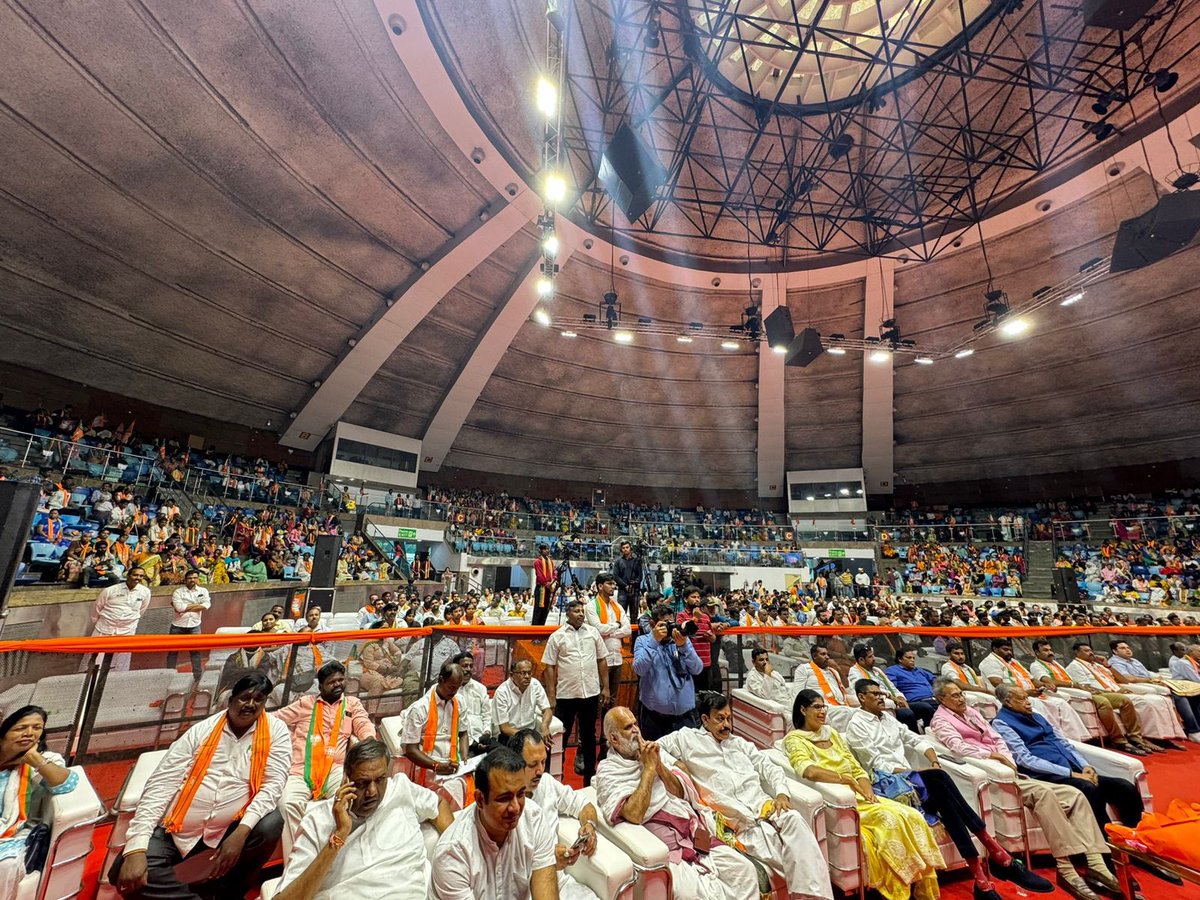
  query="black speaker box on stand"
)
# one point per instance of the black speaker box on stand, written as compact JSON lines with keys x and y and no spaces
{"x":1066,"y":588}
{"x":324,"y":572}
{"x":18,"y":503}
{"x":805,"y":348}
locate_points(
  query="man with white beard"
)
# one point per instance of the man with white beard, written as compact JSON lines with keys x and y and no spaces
{"x":635,"y":784}
{"x":750,"y":792}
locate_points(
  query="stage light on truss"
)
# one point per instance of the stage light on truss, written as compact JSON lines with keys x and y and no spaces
{"x":1014,"y":326}
{"x":837,"y":351}
{"x":555,"y":189}
{"x":880,"y":356}
{"x":1071,"y":299}
{"x":729,"y":345}
{"x":683,"y":338}
{"x":964,"y":353}
{"x":545,"y":287}
{"x":781,"y":349}
{"x":550,"y":245}
{"x":568,"y":333}
{"x":923,"y":361}
{"x":623,"y":337}
{"x":547,"y":97}
{"x":542,"y":317}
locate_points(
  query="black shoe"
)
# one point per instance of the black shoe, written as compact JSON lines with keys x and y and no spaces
{"x":1067,"y":887}
{"x":1016,"y":872}
{"x":1109,"y":887}
{"x":991,"y":894}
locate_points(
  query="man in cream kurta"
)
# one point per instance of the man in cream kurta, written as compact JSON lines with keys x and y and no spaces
{"x":764,"y":682}
{"x":447,"y":750}
{"x":473,"y":702}
{"x":1155,"y":711}
{"x":1000,"y":666}
{"x":820,"y":675}
{"x":750,"y":791}
{"x":521,"y":702}
{"x":635,"y":784}
{"x":974,"y":687}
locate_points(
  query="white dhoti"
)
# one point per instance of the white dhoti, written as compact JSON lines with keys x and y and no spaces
{"x":786,"y":844}
{"x":1060,"y":714}
{"x":295,"y":800}
{"x":1156,"y":711}
{"x":723,"y":874}
{"x":987,"y":705}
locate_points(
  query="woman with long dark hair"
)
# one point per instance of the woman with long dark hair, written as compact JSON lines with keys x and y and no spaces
{"x":29,"y":773}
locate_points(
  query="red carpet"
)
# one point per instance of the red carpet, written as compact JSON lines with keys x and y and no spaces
{"x":1171,"y":775}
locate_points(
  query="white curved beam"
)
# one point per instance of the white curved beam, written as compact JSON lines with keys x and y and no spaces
{"x":878,"y":408}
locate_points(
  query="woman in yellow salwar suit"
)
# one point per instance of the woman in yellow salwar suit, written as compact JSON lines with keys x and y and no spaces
{"x":900,"y":849}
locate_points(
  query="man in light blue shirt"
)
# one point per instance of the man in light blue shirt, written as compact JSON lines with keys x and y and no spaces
{"x":1131,"y":671}
{"x":665,"y":661}
{"x":1185,"y":661}
{"x":915,"y":683}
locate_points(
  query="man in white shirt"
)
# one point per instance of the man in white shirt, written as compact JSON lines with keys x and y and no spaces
{"x":521,"y":702}
{"x":1133,"y":675}
{"x":501,"y":847}
{"x":1108,"y":704}
{"x":865,"y":667}
{"x":475,"y":705}
{"x":227,"y":821}
{"x":118,"y":610}
{"x":1185,"y":661}
{"x":880,"y":742}
{"x":189,"y":601}
{"x":606,"y":616}
{"x":1156,"y":712}
{"x":763,"y":681}
{"x":576,"y":676}
{"x":365,"y":840}
{"x":750,"y":791}
{"x":635,"y":784}
{"x":428,"y":730}
{"x":1001,"y":666}
{"x":821,"y":676}
{"x":974,"y":687}
{"x":556,"y":799}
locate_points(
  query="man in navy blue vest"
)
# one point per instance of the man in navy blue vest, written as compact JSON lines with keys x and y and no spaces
{"x":1041,"y":752}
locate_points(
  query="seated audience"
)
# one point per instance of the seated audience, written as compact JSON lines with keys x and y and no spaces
{"x":323,"y":727}
{"x":501,"y":846}
{"x":365,"y":838}
{"x":428,"y":734}
{"x":915,"y":683}
{"x":520,"y":702}
{"x":475,"y":706}
{"x":1129,"y":670}
{"x":1155,"y":711}
{"x":750,"y":792}
{"x":29,"y":775}
{"x":1185,"y":661}
{"x":865,"y":667}
{"x":1062,"y":811}
{"x":213,"y":797}
{"x":1001,"y":666}
{"x":901,"y":852}
{"x":1040,"y":751}
{"x":973,"y":685}
{"x":881,"y":742}
{"x":763,"y":681}
{"x":820,"y":675}
{"x":635,"y":784}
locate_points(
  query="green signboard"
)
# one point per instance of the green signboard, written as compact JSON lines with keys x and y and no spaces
{"x":410,"y":534}
{"x":836,"y":554}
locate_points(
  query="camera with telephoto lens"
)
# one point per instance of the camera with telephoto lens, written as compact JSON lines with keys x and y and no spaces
{"x":688,"y":628}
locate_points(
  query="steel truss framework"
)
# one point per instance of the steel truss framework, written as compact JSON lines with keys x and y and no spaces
{"x":941,"y":135}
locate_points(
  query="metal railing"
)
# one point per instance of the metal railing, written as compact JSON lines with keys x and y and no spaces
{"x":63,"y":457}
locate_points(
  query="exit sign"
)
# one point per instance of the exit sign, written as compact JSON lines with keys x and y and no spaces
{"x":837,"y":554}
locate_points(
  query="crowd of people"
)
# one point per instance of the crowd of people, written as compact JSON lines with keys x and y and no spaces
{"x":931,"y":567}
{"x":1153,"y":571}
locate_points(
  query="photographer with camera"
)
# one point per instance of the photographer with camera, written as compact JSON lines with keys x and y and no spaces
{"x":665,"y":662}
{"x":627,"y":570}
{"x":702,"y":632}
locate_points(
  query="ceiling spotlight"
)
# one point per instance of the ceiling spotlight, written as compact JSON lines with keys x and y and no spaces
{"x":837,"y":351}
{"x":555,"y":189}
{"x":550,"y":245}
{"x":1071,"y":298}
{"x":623,"y":337}
{"x":1162,"y":79}
{"x":880,"y":356}
{"x":923,"y":361}
{"x":845,"y":492}
{"x":542,"y":317}
{"x":568,"y":333}
{"x":684,"y":338}
{"x":545,"y":287}
{"x":810,"y":498}
{"x":964,"y":353}
{"x":780,"y":349}
{"x":729,"y":345}
{"x":1014,"y":327}
{"x":858,"y":491}
{"x":547,"y":98}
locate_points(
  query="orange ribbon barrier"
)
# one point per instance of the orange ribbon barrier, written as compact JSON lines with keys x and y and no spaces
{"x":135,"y":643}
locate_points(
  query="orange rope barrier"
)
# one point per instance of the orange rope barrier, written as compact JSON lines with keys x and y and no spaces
{"x":159,"y":642}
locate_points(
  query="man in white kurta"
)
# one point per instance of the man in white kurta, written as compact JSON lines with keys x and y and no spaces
{"x":820,"y":675}
{"x":502,"y":846}
{"x":474,"y":704}
{"x":428,"y":730}
{"x":383,"y":854}
{"x":1155,"y":711}
{"x":634,"y":784}
{"x":605,"y":614}
{"x":1001,"y":666}
{"x":118,"y":610}
{"x":739,"y":781}
{"x":764,"y":682}
{"x":974,"y":687}
{"x":521,"y":702}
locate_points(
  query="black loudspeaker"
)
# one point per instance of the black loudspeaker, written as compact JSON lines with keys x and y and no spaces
{"x":18,"y":503}
{"x":1154,"y":235}
{"x":805,"y":348}
{"x":325,"y":560}
{"x":1066,"y":588}
{"x":630,"y":173}
{"x":779,"y":328}
{"x":1119,"y":15}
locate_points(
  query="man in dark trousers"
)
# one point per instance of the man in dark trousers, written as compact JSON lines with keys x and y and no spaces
{"x":627,"y":569}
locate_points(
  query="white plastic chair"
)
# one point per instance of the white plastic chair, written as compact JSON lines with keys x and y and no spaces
{"x":72,"y":818}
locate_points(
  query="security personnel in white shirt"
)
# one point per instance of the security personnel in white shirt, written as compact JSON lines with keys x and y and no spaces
{"x":189,"y":602}
{"x":576,"y":676}
{"x":119,"y":608}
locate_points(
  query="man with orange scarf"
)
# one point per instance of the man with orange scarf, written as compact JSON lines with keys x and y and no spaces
{"x":434,"y":733}
{"x":546,"y":585}
{"x":212,"y":799}
{"x":323,"y":727}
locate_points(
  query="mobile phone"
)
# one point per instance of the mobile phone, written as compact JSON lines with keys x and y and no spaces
{"x":579,"y":842}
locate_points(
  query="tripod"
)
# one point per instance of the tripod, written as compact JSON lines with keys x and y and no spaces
{"x":561,"y":574}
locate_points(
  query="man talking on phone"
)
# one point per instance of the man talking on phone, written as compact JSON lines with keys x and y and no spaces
{"x":365,"y":840}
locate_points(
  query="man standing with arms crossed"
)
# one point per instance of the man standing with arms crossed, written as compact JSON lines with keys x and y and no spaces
{"x":189,"y":602}
{"x":118,"y":610}
{"x":576,"y":677}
